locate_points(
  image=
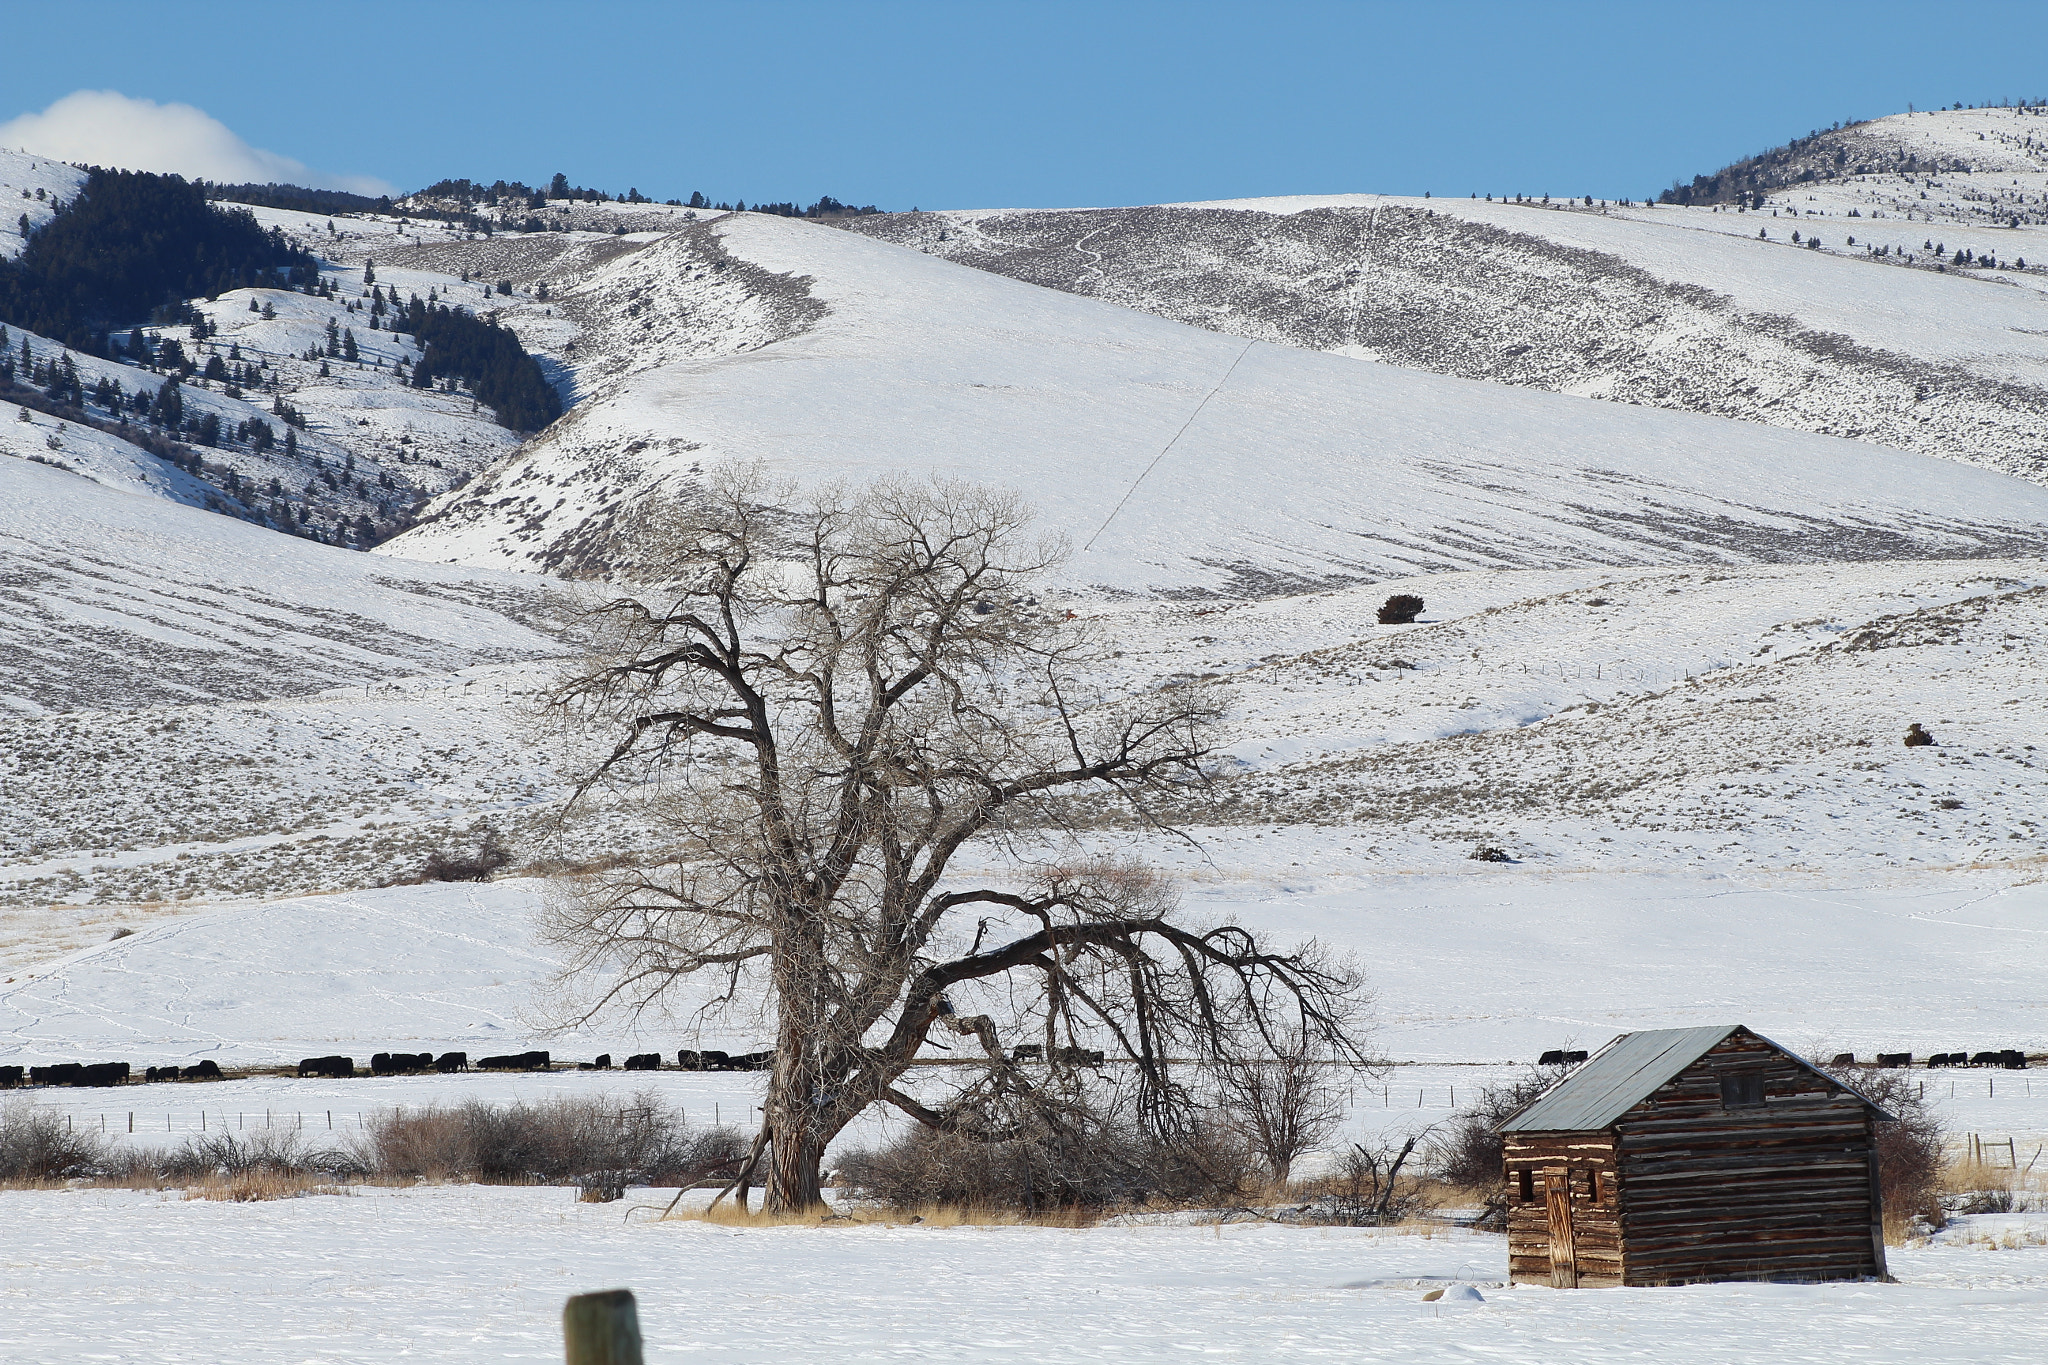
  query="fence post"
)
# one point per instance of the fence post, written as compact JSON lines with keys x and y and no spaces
{"x":601,"y":1329}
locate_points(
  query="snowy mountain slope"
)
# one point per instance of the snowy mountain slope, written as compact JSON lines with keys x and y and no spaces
{"x":1719,"y":720}
{"x":1991,"y":162}
{"x":1299,"y":470}
{"x":31,"y":187}
{"x":368,"y":445}
{"x":1656,"y":720}
{"x":118,"y":600}
{"x":37,"y":437}
{"x":1667,"y":307}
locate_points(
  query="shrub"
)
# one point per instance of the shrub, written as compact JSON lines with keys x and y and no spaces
{"x":35,"y":1144}
{"x":1467,"y":1151}
{"x":1399,"y":610}
{"x":259,"y":1151}
{"x":1280,"y":1108}
{"x":1044,"y":1149}
{"x":1909,"y":1152}
{"x":1369,"y":1189}
{"x":473,"y":866}
{"x":558,"y":1140}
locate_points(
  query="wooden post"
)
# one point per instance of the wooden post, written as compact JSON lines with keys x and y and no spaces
{"x":602,"y":1329}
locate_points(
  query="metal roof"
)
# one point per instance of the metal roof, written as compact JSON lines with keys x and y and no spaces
{"x":1628,"y":1071}
{"x":1616,"y":1079}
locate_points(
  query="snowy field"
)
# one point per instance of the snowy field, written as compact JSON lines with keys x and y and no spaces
{"x":479,"y":1273}
{"x":1492,"y":967}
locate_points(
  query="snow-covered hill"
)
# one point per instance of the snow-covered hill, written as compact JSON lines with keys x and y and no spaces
{"x":118,"y":599}
{"x":348,"y":447}
{"x":826,"y":355}
{"x":1704,"y":309}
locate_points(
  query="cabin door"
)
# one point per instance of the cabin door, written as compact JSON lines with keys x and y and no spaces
{"x":1557,"y":1197}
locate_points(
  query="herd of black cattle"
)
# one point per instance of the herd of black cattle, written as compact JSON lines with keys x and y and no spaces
{"x":381,"y":1064}
{"x":416,"y":1063}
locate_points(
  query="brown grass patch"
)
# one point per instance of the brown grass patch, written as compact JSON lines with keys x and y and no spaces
{"x":249,"y":1187}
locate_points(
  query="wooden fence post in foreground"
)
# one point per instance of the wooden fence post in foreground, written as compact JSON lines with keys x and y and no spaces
{"x":602,"y":1329}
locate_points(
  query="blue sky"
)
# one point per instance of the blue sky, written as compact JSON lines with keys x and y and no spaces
{"x":987,"y":104}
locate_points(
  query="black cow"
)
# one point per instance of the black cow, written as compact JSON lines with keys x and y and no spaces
{"x":1943,"y":1059}
{"x":1988,"y":1059}
{"x":752,"y":1061}
{"x":644,"y":1061}
{"x":1554,"y":1057}
{"x":161,"y":1073}
{"x":103,"y":1073}
{"x":341,"y":1068}
{"x":451,"y":1061}
{"x":1894,"y":1059}
{"x":2012,"y":1059}
{"x":397,"y":1063}
{"x":604,"y":1063}
{"x":517,"y":1061}
{"x":1843,"y":1059}
{"x":708,"y":1060}
{"x":1077,"y":1056}
{"x":204,"y":1070}
{"x":11,"y":1076}
{"x":1028,"y":1052}
{"x":58,"y":1073}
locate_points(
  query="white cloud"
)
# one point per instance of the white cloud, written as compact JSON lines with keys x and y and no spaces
{"x":107,"y":128}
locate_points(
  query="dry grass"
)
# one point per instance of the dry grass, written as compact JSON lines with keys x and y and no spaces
{"x":249,"y":1187}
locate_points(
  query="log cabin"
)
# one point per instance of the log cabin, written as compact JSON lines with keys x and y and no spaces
{"x":1679,"y":1156}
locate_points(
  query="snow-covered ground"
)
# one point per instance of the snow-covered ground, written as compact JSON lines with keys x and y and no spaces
{"x":479,"y":1274}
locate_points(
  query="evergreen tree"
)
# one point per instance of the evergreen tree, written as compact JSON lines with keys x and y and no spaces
{"x":169,"y":408}
{"x":348,"y":345}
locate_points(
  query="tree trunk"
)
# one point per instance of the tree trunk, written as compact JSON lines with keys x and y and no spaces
{"x":797,"y":1119}
{"x":794,"y":1184}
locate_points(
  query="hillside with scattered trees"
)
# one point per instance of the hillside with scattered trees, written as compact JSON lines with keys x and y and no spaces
{"x":131,"y":244}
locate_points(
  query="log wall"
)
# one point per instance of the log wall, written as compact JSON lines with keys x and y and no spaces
{"x":1782,"y":1191}
{"x":1588,"y":1165}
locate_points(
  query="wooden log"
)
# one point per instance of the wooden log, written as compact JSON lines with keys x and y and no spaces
{"x":602,"y":1329}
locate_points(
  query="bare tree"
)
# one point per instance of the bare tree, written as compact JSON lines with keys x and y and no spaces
{"x":1282,"y":1106}
{"x":836,"y":698}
